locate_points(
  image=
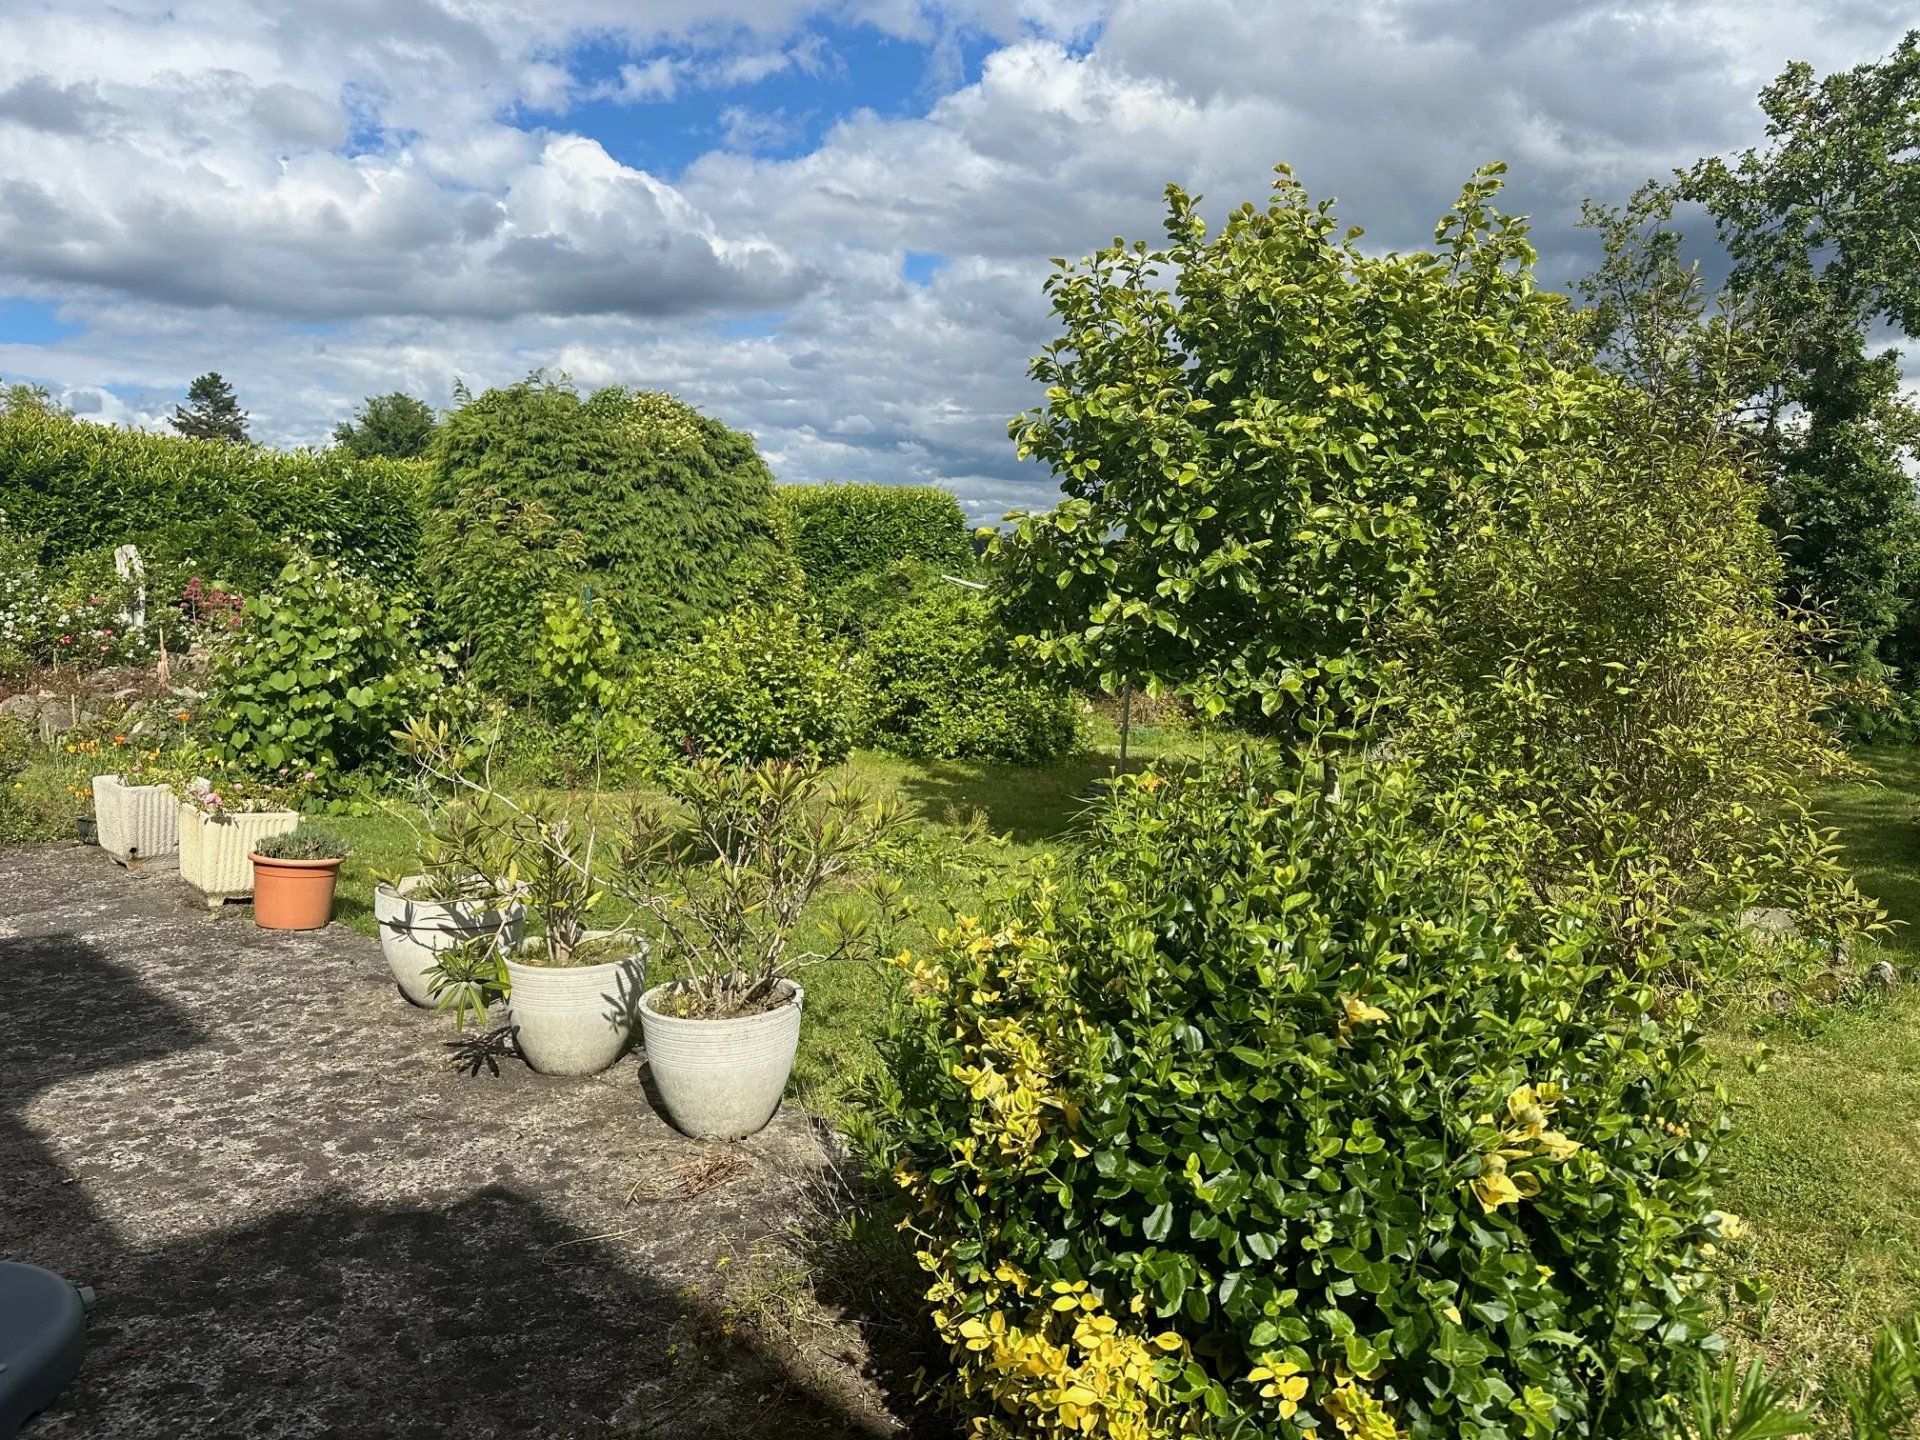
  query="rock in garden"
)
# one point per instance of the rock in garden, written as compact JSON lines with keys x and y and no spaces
{"x":1769,"y":923}
{"x":1883,"y":974}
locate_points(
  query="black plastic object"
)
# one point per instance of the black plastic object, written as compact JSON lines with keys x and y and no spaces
{"x":43,"y":1334}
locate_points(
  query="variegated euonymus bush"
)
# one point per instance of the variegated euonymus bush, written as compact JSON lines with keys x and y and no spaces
{"x":1279,"y":1116}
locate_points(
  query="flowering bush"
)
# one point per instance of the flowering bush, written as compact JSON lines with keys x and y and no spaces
{"x":74,"y":616}
{"x":1282,"y":1118}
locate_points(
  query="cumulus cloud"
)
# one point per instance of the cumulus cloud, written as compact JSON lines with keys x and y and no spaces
{"x":346,"y":197}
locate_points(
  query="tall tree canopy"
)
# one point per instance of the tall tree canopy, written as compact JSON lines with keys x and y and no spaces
{"x":1823,"y":224}
{"x":395,"y":426}
{"x":212,"y":411}
{"x":1257,"y":460}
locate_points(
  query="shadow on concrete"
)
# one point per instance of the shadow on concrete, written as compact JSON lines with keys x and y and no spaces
{"x":490,"y":1316}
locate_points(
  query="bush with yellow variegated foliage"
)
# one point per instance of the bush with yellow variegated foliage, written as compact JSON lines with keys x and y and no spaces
{"x":1275,"y":1116}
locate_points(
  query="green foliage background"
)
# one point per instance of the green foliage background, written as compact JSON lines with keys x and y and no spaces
{"x":842,"y":535}
{"x":81,"y":487}
{"x":674,"y":512}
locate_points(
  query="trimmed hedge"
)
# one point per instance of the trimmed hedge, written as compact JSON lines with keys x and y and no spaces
{"x":78,"y":487}
{"x":842,"y":533}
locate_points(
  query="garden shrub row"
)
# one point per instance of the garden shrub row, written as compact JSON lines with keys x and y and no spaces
{"x":230,"y":512}
{"x":846,"y":534}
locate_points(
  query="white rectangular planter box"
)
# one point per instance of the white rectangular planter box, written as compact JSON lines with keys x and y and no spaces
{"x":137,"y":822}
{"x":216,"y":854}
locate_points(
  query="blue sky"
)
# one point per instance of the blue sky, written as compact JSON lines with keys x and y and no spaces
{"x":826,"y":223}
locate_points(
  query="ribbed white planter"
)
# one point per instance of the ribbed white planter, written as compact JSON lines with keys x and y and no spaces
{"x":575,"y":1019}
{"x":722,"y":1079}
{"x":136,"y":822}
{"x":216,"y":854}
{"x":414,"y":933}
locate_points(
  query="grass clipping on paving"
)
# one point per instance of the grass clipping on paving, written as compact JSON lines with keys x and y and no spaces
{"x":1824,"y":1162}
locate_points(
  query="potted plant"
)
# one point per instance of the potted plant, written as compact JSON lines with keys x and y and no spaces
{"x":572,"y":992}
{"x":424,"y":917}
{"x":133,"y":811}
{"x":294,"y":875}
{"x":723,"y":883}
{"x":222,"y":821}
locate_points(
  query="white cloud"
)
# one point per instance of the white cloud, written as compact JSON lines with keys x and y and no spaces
{"x":345,"y":197}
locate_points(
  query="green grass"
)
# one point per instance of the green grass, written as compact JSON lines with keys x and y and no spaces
{"x":1825,"y":1162}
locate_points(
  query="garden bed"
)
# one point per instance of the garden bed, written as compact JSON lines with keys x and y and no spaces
{"x":302,"y":1218}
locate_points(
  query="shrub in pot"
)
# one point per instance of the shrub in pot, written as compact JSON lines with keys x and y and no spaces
{"x":716,"y":884}
{"x":571,"y":991}
{"x":723,"y":881}
{"x":294,"y":875}
{"x":424,"y":917}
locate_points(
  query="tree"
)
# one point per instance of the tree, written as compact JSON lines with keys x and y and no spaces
{"x":674,"y":511}
{"x":396,"y":426}
{"x":212,"y":411}
{"x":1257,"y":460}
{"x":1600,"y":666}
{"x":1823,"y":225}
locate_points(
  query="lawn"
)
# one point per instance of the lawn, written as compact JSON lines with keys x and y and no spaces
{"x":1825,"y":1159}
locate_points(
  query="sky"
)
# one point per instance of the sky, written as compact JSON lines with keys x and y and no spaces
{"x":827,"y":224}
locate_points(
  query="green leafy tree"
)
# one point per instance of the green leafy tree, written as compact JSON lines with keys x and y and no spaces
{"x":1257,"y":459}
{"x":396,"y":426}
{"x":1821,"y":224}
{"x":1600,"y":659}
{"x":212,"y":411}
{"x":675,"y":512}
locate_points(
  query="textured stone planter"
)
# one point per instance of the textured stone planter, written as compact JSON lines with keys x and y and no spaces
{"x":413,"y":932}
{"x":575,"y":1019}
{"x":216,"y":854}
{"x":136,"y":822}
{"x":721,"y":1079}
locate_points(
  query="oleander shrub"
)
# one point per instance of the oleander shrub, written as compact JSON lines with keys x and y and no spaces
{"x":82,"y":487}
{"x":942,"y":686}
{"x":322,"y":670}
{"x":1279,"y":1116}
{"x":843,"y":535}
{"x":673,"y":510}
{"x":758,"y":684}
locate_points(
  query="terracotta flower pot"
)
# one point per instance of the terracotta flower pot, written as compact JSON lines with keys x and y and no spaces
{"x":293,"y":894}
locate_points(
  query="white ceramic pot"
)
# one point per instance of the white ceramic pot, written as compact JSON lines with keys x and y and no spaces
{"x":216,"y":852}
{"x":575,"y":1019}
{"x":722,"y":1079}
{"x":136,"y":822}
{"x":413,"y":933}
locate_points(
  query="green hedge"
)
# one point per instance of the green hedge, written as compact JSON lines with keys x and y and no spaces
{"x":81,"y":487}
{"x":673,"y":510}
{"x":841,"y":533}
